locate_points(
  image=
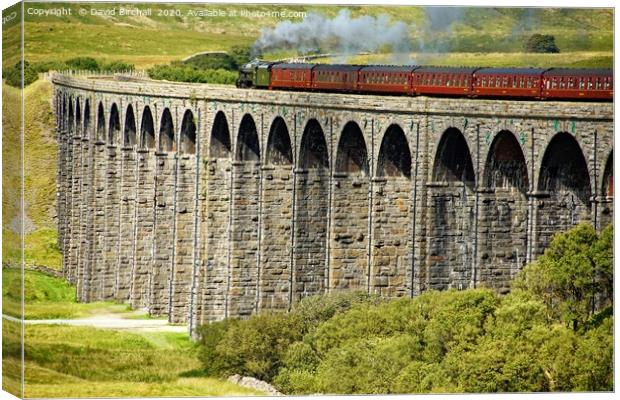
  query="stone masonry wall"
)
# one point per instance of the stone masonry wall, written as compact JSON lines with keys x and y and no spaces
{"x":311,"y":193}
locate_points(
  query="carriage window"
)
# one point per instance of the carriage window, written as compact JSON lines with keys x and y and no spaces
{"x":590,"y":85}
{"x":582,"y":84}
{"x":484,"y":82}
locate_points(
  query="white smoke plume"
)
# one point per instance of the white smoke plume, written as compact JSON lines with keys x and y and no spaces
{"x":342,"y":34}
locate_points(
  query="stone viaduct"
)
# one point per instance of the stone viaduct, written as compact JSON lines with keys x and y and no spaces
{"x":202,"y":202}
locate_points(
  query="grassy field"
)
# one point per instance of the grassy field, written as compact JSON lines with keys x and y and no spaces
{"x":155,"y":39}
{"x":39,"y":176}
{"x":47,"y":297}
{"x":70,"y":361}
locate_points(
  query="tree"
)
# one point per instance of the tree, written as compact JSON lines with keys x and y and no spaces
{"x":241,"y":55}
{"x":574,"y":277}
{"x":538,"y":43}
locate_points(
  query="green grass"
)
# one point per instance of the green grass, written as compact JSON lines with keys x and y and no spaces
{"x":63,"y":361}
{"x":47,"y":297}
{"x":582,"y":59}
{"x":39,"y":176}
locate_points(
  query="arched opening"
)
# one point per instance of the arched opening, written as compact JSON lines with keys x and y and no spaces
{"x":453,"y":159}
{"x":219,"y":145}
{"x":100,"y":123}
{"x":311,"y":204}
{"x":166,"y":132}
{"x":349,"y":212}
{"x":188,"y":133}
{"x":279,"y":151}
{"x":313,"y":150}
{"x":129,"y":137}
{"x":86,"y":118}
{"x":503,"y":211}
{"x":247,"y":141}
{"x":70,"y":119}
{"x":394,"y":155}
{"x":114,"y":127}
{"x":451,"y":214}
{"x":564,"y":168}
{"x":607,"y":188}
{"x":147,"y":130}
{"x":352,"y":156}
{"x":78,"y":116}
{"x":505,"y":166}
{"x":62,"y":117}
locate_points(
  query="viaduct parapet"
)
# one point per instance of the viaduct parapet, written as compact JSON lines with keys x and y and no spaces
{"x":202,"y":202}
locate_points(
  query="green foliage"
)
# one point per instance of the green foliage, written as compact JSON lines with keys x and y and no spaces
{"x":83,"y":63}
{"x":212,"y":61}
{"x":117,"y":66}
{"x":183,"y":73}
{"x":574,"y":277}
{"x":241,"y":55}
{"x":453,"y":341}
{"x":538,"y":43}
{"x":13,"y":76}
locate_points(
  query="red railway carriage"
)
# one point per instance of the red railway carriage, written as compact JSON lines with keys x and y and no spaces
{"x":395,"y":79}
{"x":507,"y":82}
{"x":449,"y":81}
{"x":335,"y":77}
{"x":291,"y":76}
{"x":564,"y":83}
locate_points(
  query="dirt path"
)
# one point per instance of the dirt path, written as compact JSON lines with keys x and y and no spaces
{"x":110,"y":321}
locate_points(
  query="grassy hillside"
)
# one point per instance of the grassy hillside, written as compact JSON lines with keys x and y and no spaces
{"x":39,"y":175}
{"x":148,"y":40}
{"x":71,"y":361}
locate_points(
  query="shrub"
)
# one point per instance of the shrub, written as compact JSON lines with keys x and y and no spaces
{"x":573,"y":277}
{"x":184,"y":73}
{"x":83,"y":63}
{"x":117,"y":66}
{"x":538,"y":43}
{"x":13,"y":76}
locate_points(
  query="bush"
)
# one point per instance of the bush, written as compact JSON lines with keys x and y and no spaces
{"x":117,"y":66}
{"x":183,"y":73}
{"x":574,"y":277}
{"x":538,"y":43}
{"x":83,"y":64}
{"x":13,"y":76}
{"x":453,"y":341}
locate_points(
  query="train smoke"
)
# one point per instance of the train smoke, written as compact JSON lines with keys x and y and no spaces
{"x":342,"y":34}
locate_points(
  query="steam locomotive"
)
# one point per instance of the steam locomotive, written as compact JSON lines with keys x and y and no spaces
{"x":410,"y":80}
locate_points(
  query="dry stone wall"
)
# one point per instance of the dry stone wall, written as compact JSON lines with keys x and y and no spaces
{"x":212,"y":202}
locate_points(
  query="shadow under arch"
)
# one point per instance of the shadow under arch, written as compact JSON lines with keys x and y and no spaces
{"x":100,"y":123}
{"x":166,"y":132}
{"x":248,"y":148}
{"x":219,"y":144}
{"x":114,"y":126}
{"x":86,"y":120}
{"x":129,"y":136}
{"x":352,"y":155}
{"x":564,"y":169}
{"x":279,"y":150}
{"x":313,"y":149}
{"x":147,"y":129}
{"x":453,"y":159}
{"x":505,"y":165}
{"x":394,"y":154}
{"x":188,"y":133}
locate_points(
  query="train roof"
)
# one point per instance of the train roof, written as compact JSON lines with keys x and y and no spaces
{"x":445,"y":70}
{"x":510,"y":71}
{"x":389,"y":68}
{"x":337,"y":67}
{"x":293,"y":66}
{"x":579,"y":72}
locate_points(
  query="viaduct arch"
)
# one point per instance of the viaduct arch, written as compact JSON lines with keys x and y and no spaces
{"x":202,"y":202}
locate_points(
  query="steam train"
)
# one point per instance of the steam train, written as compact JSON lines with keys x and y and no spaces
{"x":515,"y":83}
